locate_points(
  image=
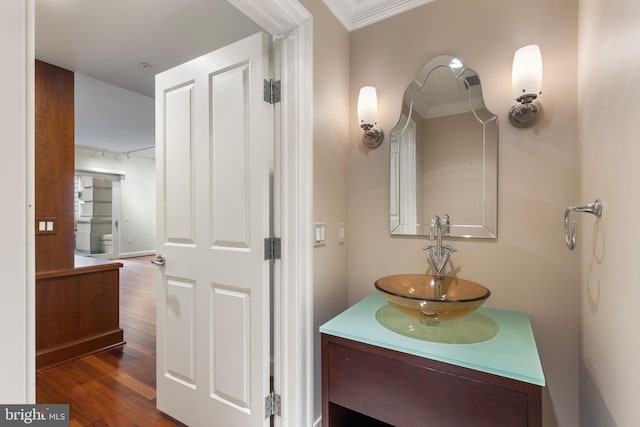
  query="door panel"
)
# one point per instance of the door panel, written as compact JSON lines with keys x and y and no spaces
{"x":231,"y":341}
{"x":179,"y":164}
{"x":214,"y":151}
{"x":230,"y":118}
{"x":180,"y":330}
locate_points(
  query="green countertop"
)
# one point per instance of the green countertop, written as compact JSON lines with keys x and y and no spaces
{"x":499,"y":342}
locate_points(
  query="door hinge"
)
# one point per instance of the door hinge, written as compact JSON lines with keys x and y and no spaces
{"x":271,"y":91}
{"x":272,"y":248}
{"x":272,"y":405}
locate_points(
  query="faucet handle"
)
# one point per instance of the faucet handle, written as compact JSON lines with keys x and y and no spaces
{"x":450,"y":249}
{"x":428,"y":248}
{"x":446,"y":224}
{"x":435,"y":227}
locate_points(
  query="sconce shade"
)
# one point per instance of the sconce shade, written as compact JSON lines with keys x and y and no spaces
{"x":527,"y":71}
{"x":526,"y":77}
{"x":367,"y":106}
{"x":368,"y":117}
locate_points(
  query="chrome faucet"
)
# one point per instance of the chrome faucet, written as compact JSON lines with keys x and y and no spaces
{"x":439,"y":253}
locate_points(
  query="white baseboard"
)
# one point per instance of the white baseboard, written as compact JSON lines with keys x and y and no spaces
{"x":136,"y":254}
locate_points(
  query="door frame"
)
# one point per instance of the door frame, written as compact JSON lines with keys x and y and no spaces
{"x":290,"y":22}
{"x":294,"y":200}
{"x":292,"y":26}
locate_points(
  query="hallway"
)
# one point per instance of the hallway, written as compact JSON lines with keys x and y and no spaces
{"x":115,"y":387}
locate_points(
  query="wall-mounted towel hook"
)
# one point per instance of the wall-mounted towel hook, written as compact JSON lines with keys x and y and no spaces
{"x":594,"y":208}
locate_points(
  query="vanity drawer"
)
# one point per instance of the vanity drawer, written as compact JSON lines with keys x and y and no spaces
{"x":406,"y":390}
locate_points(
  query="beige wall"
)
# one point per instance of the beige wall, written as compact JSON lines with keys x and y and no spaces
{"x":331,"y":137}
{"x":527,"y":268}
{"x":610,"y":151}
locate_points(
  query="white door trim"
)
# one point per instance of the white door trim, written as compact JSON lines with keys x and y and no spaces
{"x":290,"y":21}
{"x":30,"y":117}
{"x":17,"y":299}
{"x":296,"y":220}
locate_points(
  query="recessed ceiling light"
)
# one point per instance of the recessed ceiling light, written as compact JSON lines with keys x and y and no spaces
{"x":144,"y":66}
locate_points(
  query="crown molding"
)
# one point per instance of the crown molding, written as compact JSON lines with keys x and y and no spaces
{"x":354,"y":14}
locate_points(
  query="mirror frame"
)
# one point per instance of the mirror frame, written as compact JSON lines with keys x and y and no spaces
{"x":488,"y":226}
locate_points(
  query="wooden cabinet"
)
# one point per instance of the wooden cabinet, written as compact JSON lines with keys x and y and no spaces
{"x":367,"y":385}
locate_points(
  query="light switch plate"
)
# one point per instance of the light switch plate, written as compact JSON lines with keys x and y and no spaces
{"x":319,"y":234}
{"x":45,"y":225}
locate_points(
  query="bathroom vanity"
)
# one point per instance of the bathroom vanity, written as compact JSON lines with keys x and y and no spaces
{"x":374,"y":376}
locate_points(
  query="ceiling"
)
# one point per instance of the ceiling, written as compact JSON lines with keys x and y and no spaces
{"x":107,"y":40}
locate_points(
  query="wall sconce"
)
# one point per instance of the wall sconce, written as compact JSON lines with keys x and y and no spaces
{"x":527,"y":79}
{"x":367,"y":117}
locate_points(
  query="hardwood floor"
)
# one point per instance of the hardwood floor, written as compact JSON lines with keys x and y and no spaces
{"x":115,"y":387}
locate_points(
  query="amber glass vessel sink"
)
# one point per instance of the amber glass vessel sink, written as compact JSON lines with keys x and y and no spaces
{"x":430,"y":298}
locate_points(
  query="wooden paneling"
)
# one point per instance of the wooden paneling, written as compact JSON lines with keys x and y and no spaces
{"x":77,"y":312}
{"x":54,"y":165}
{"x":76,"y":308}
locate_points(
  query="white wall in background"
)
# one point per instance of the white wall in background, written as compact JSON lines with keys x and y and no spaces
{"x":109,"y":117}
{"x":111,"y":120}
{"x":138,"y":196}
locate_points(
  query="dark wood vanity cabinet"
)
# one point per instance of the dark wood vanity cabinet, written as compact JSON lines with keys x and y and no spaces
{"x":366,"y":385}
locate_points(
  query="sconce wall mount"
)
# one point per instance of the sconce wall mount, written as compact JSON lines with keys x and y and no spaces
{"x":526,"y":113}
{"x":526,"y":79}
{"x":372,"y":136}
{"x":367,"y":117}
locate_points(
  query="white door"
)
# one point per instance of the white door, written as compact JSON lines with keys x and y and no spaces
{"x":214,"y":154}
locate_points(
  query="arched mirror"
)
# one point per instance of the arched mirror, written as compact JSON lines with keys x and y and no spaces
{"x":444,"y":154}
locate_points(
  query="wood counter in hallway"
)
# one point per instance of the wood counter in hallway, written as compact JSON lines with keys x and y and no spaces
{"x":77,"y":311}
